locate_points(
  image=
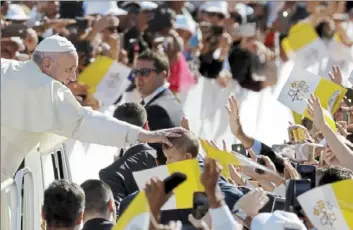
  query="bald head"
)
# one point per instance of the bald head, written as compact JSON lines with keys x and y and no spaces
{"x":59,"y":65}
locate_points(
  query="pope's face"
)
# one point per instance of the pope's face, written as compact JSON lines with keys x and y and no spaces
{"x":63,"y":67}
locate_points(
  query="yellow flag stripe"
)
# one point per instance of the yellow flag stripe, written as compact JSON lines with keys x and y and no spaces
{"x":222,"y":156}
{"x":139,"y":205}
{"x":301,"y":35}
{"x":95,"y":72}
{"x":184,"y":193}
{"x":344,"y":196}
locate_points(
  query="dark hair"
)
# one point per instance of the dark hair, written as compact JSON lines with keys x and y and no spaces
{"x":63,"y":204}
{"x":131,"y":113}
{"x":186,"y":143}
{"x":160,"y":60}
{"x":97,"y":195}
{"x":333,"y":174}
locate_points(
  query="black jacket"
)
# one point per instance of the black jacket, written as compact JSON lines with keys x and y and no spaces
{"x":275,"y":158}
{"x":119,"y":176}
{"x":98,"y":224}
{"x":163,"y":111}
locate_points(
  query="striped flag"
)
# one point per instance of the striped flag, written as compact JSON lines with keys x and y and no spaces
{"x":330,"y":206}
{"x":184,"y":193}
{"x":107,"y":79}
{"x":305,"y":46}
{"x":301,"y":84}
{"x":136,"y":216}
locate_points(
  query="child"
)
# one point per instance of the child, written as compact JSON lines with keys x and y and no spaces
{"x":184,"y":147}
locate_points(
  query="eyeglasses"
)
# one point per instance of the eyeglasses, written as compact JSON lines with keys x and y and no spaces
{"x":142,"y":72}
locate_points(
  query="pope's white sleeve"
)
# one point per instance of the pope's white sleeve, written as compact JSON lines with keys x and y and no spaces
{"x":83,"y":124}
{"x":222,"y":219}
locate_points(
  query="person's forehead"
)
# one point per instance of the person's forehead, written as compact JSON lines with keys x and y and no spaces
{"x":144,"y":63}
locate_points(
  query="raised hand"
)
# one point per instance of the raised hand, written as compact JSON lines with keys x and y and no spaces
{"x":336,"y":75}
{"x":160,"y":136}
{"x":316,"y":112}
{"x":233,"y":116}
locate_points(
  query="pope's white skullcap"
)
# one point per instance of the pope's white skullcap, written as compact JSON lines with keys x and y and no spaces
{"x":54,"y":44}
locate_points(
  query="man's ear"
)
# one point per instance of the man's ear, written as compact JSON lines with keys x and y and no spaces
{"x":79,"y":219}
{"x":188,"y":156}
{"x":146,"y":126}
{"x":43,"y":214}
{"x":111,"y":205}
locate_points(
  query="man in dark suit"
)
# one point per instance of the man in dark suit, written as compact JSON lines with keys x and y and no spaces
{"x":138,"y":157}
{"x":163,"y":109}
{"x":99,"y":211}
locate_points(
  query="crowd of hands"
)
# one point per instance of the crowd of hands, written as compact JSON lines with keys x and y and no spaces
{"x":335,"y":153}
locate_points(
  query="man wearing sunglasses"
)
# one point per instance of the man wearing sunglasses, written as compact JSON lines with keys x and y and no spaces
{"x":151,"y":79}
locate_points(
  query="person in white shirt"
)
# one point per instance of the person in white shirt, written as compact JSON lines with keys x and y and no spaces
{"x":38,"y":111}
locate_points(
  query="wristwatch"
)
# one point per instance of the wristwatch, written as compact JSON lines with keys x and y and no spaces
{"x":241,"y":214}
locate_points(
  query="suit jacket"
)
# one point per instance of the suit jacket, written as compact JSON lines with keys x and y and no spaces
{"x":163,"y":111}
{"x":98,"y":224}
{"x":119,"y":176}
{"x":27,"y":123}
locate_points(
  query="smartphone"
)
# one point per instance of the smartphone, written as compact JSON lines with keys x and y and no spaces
{"x":308,"y":172}
{"x":201,"y":205}
{"x":260,"y":161}
{"x":239,"y":148}
{"x":194,"y":41}
{"x":173,"y":181}
{"x":274,"y":203}
{"x":294,"y":189}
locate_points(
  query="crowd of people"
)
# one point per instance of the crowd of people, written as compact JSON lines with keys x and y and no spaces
{"x":170,"y":46}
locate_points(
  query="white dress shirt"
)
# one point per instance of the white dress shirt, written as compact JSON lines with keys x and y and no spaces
{"x":37,"y":110}
{"x":147,"y":99}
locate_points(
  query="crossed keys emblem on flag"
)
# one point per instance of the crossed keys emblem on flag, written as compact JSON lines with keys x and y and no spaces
{"x":324,"y":211}
{"x":297,"y":89}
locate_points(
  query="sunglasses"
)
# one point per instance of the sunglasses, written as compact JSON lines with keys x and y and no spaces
{"x":142,"y":72}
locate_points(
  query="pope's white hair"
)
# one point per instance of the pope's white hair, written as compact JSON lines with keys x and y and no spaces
{"x":39,"y":56}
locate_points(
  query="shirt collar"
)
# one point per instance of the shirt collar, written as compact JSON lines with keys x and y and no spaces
{"x":147,"y":99}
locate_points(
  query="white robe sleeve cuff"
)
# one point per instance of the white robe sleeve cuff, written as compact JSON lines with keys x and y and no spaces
{"x":222,"y":219}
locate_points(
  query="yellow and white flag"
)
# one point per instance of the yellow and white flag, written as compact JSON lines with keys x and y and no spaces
{"x":228,"y":158}
{"x":305,"y":46}
{"x":301,"y":84}
{"x":136,"y":216}
{"x":184,"y":193}
{"x":107,"y":79}
{"x":330,"y":206}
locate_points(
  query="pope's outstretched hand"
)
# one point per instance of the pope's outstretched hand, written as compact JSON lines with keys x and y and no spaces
{"x":160,"y":136}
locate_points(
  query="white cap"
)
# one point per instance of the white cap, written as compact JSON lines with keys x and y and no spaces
{"x":244,"y":10}
{"x":220,"y":7}
{"x":144,"y":5}
{"x":104,"y":8}
{"x":16,"y":13}
{"x":278,"y":220}
{"x":184,"y":23}
{"x":55,"y":43}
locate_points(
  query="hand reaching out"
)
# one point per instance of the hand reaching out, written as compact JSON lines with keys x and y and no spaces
{"x":185,"y":124}
{"x":336,"y":75}
{"x":290,"y":172}
{"x":233,"y":116}
{"x":316,"y":112}
{"x":252,"y":202}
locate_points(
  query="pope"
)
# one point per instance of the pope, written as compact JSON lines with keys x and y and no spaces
{"x":38,"y":111}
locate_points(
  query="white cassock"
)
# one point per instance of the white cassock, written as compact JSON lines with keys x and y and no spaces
{"x":36,"y":109}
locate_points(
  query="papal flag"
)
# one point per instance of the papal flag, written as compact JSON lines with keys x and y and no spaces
{"x":136,"y":216}
{"x":183,"y":195}
{"x":229,"y":158}
{"x":330,"y":206}
{"x":107,"y":79}
{"x":301,"y":84}
{"x":305,"y":46}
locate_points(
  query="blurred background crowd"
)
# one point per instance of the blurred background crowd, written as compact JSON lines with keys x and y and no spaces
{"x":227,"y":45}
